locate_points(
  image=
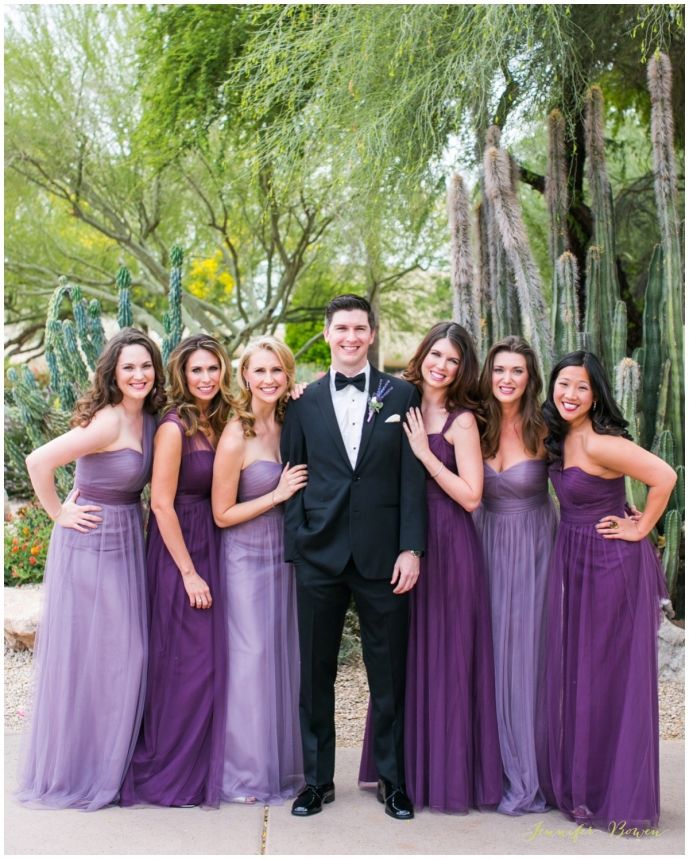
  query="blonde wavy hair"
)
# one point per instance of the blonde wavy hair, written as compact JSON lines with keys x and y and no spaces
{"x":179,"y":396}
{"x":242,"y":401}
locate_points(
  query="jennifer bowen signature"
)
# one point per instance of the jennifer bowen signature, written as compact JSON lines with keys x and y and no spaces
{"x":615,"y":828}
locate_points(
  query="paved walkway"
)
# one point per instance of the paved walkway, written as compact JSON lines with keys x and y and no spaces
{"x":354,"y":824}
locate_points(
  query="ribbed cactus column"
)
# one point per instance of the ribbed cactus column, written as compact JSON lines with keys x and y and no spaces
{"x":465,"y":309}
{"x":592,"y":319}
{"x":557,"y":202}
{"x":665,"y":173}
{"x":603,"y":219}
{"x":123,"y":279}
{"x":652,"y":349}
{"x":673,"y":532}
{"x":172,"y":318}
{"x":534,"y":318}
{"x":627,"y":388}
{"x":619,"y":335}
{"x":566,"y":319}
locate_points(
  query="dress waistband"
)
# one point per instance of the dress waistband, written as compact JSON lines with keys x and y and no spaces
{"x":515,"y":505}
{"x":191,"y":497}
{"x":107,"y":496}
{"x":587,"y":517}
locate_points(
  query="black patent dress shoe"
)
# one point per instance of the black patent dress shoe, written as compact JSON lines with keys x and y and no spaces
{"x":312,"y":799}
{"x":397,"y":803}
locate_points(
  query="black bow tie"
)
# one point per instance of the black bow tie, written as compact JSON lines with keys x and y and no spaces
{"x":341,"y":381}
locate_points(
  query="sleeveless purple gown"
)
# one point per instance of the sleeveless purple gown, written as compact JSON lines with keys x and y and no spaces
{"x":517,"y":523}
{"x":178,"y":757}
{"x":262,"y":755}
{"x":89,"y":679}
{"x":601,"y":691}
{"x":451,"y":748}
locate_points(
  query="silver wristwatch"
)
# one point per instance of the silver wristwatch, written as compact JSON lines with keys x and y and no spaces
{"x":415,"y":552}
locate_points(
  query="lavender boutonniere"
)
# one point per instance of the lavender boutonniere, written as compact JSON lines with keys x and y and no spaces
{"x":375,"y":404}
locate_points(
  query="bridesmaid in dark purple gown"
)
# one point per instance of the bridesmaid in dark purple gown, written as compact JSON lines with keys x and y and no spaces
{"x":178,"y":758}
{"x":452,"y":753}
{"x":600,"y":763}
{"x":517,"y":523}
{"x":91,"y":647}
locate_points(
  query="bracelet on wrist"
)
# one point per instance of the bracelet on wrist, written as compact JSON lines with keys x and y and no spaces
{"x":442,"y":465}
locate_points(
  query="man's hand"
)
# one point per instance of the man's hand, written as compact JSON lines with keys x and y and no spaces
{"x":405,"y":573}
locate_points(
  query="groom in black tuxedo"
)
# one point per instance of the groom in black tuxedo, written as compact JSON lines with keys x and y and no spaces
{"x":358,"y":527}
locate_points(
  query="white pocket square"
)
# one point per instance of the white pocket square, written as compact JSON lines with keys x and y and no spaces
{"x":393,"y":419}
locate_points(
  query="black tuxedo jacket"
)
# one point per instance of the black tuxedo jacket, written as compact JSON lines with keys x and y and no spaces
{"x":370,"y":512}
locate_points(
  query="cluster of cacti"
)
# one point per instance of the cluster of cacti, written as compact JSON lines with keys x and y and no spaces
{"x":72,"y":347}
{"x":648,"y":385}
{"x":38,"y":422}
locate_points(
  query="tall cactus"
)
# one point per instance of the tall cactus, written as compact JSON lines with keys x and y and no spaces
{"x":534,"y":318}
{"x":172,"y":319}
{"x":593,"y":340}
{"x":627,"y":388}
{"x":603,"y":216}
{"x":566,"y":318}
{"x":665,"y":174}
{"x":653,"y":351}
{"x":123,"y":279}
{"x":465,"y":305}
{"x":557,"y":203}
{"x":673,"y":528}
{"x":619,"y":335}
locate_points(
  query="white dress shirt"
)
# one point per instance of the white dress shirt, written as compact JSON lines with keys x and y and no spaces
{"x":350,"y":410}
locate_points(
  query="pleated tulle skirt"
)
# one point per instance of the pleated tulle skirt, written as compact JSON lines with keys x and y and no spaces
{"x":262,"y":756}
{"x":517,"y":544}
{"x":601,"y":759}
{"x":178,"y":758}
{"x":90,"y":661}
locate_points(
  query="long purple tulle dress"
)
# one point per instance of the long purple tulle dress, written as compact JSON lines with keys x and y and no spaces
{"x":90,"y":663}
{"x":517,"y":523}
{"x":178,"y":758}
{"x":262,"y":756}
{"x":451,"y":748}
{"x":601,"y":685}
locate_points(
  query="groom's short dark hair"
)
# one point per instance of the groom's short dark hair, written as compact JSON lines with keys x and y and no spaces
{"x":349,"y":301}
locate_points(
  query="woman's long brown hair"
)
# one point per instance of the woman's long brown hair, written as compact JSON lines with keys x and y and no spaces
{"x":533,"y":425}
{"x":463,"y":392}
{"x":104,"y":391}
{"x":179,"y":396}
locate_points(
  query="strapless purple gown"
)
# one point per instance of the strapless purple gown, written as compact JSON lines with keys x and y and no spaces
{"x":451,"y":748}
{"x":89,"y":680}
{"x":262,"y":755}
{"x":601,"y":691}
{"x":178,"y":758}
{"x":517,"y":523}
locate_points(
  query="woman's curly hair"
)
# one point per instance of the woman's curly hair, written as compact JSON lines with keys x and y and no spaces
{"x":242,"y":401}
{"x":104,"y":391}
{"x":180,"y":399}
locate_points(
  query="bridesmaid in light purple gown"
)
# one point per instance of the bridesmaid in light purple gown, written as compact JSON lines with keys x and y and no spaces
{"x":178,"y":758}
{"x":262,"y":758}
{"x":90,"y":663}
{"x":601,"y":761}
{"x":451,"y":751}
{"x":517,"y":524}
